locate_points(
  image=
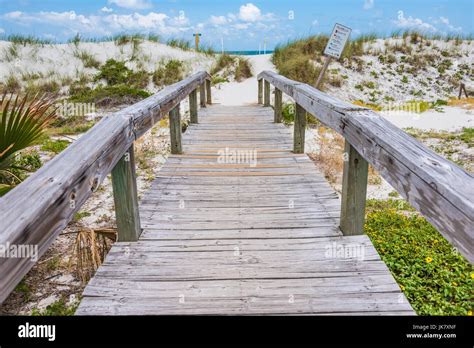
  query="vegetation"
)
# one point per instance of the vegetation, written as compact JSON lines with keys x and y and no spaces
{"x":435,"y":278}
{"x":109,"y":95}
{"x":58,"y":308}
{"x":223,"y":61}
{"x":116,"y":73}
{"x":55,"y":146}
{"x":87,"y":59}
{"x":179,"y":43}
{"x":25,"y":39}
{"x":168,"y":73}
{"x":22,"y":122}
{"x":243,"y":70}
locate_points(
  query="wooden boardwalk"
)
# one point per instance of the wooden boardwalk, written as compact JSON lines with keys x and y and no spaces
{"x":241,"y":238}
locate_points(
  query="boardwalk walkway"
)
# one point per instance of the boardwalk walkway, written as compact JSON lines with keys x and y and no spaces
{"x":229,"y":238}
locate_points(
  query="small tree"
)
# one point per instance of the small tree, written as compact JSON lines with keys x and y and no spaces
{"x":22,"y":121}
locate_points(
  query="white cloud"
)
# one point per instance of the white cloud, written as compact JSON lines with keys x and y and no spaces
{"x":131,"y":4}
{"x":103,"y":24}
{"x":106,"y":9}
{"x":368,"y":4}
{"x":218,"y":20}
{"x":249,"y":13}
{"x":2,"y":30}
{"x":14,"y":14}
{"x":413,"y":23}
{"x":448,"y":25}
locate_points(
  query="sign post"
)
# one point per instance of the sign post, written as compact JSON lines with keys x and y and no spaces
{"x":335,"y":46}
{"x":196,"y":40}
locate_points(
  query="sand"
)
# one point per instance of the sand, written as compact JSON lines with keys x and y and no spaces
{"x":245,"y":92}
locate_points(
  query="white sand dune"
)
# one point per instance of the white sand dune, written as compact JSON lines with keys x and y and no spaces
{"x":245,"y":92}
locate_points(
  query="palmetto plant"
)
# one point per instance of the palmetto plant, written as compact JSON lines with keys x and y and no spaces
{"x":22,"y":121}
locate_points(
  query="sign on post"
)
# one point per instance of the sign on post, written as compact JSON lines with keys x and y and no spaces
{"x":337,"y":41}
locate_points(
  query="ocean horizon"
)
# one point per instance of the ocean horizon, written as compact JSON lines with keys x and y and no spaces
{"x":248,"y":52}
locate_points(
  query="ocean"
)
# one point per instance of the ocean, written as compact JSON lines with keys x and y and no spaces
{"x":247,"y":53}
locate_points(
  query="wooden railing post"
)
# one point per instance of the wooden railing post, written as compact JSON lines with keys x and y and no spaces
{"x":354,"y":191}
{"x":193,"y":107}
{"x":202,"y":95}
{"x":266,"y":99}
{"x":124,"y":185}
{"x":175,"y":131}
{"x":278,"y":105}
{"x":208,"y":92}
{"x":299,"y":129}
{"x":260,"y":91}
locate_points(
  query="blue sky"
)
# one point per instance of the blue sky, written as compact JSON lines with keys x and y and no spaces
{"x":239,"y":24}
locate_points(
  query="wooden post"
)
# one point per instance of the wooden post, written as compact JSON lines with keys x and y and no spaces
{"x":322,"y":72}
{"x":208,"y":92}
{"x":299,"y":129}
{"x":202,"y":95}
{"x":193,"y":107}
{"x":175,"y":131}
{"x":260,"y":91}
{"x":462,"y":87}
{"x":354,"y":191}
{"x":266,"y":99}
{"x":124,"y":186}
{"x":278,"y":105}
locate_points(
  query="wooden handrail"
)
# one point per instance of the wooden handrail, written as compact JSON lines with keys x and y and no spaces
{"x":441,"y":191}
{"x":36,"y":211}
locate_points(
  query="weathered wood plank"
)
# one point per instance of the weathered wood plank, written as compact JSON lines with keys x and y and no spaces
{"x":193,"y":106}
{"x":208,"y":92}
{"x":124,"y":185}
{"x":441,"y":191}
{"x":354,"y":191}
{"x":36,"y":211}
{"x":202,"y":95}
{"x":266,"y":99}
{"x":299,"y":128}
{"x":206,"y":236}
{"x":278,"y":106}
{"x":260,"y":91}
{"x":175,"y":131}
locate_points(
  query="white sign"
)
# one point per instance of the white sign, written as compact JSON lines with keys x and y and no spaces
{"x":337,"y":41}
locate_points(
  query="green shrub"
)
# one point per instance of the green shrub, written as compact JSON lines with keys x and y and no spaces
{"x":58,"y":308}
{"x":435,"y":278}
{"x":169,"y":73}
{"x":243,"y":69}
{"x":218,"y":79}
{"x":55,"y":146}
{"x":295,"y":59}
{"x":12,"y":84}
{"x":467,"y":136}
{"x":288,"y":113}
{"x":87,"y":59}
{"x":299,"y":68}
{"x":114,"y":72}
{"x":179,"y":43}
{"x":109,"y":95}
{"x":223,"y":61}
{"x":25,"y":162}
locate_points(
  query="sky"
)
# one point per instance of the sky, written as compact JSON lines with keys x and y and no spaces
{"x":235,"y":25}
